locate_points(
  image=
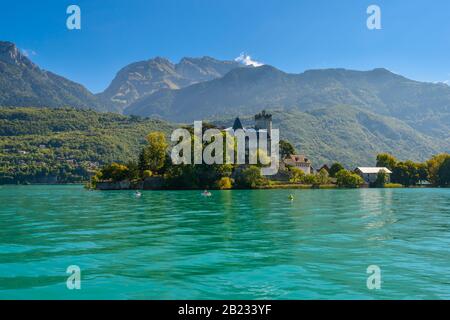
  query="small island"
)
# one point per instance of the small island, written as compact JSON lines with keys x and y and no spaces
{"x":153,"y":170}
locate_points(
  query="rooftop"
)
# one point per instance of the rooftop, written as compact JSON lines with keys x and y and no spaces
{"x":298,"y":158}
{"x":373,"y":170}
{"x":237,"y":124}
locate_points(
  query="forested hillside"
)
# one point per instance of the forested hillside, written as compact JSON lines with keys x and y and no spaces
{"x":24,"y":84}
{"x":349,"y":135}
{"x":66,"y":145}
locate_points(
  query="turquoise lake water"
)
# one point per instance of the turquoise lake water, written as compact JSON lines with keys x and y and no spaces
{"x":234,"y":245}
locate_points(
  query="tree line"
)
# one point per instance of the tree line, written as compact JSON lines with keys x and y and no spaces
{"x":436,"y":170}
{"x":154,"y":161}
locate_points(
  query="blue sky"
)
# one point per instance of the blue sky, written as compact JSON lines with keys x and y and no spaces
{"x":292,"y":35}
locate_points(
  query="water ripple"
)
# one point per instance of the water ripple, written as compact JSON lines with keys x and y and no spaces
{"x":236,"y":244}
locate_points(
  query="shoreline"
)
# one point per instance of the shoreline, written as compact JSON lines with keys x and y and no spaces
{"x":273,"y":187}
{"x":142,"y":185}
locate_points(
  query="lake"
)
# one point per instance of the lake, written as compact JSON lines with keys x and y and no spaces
{"x":249,"y":244}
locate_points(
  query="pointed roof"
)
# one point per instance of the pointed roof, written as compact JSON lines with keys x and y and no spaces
{"x":237,"y":124}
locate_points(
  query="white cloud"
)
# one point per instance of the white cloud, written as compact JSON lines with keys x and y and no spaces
{"x":447,"y":82}
{"x":28,"y":52}
{"x":245,"y":59}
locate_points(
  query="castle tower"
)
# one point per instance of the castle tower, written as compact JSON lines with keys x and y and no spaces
{"x":263,"y":121}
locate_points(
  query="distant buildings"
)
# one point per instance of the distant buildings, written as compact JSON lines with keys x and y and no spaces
{"x":370,"y":174}
{"x":298,"y":161}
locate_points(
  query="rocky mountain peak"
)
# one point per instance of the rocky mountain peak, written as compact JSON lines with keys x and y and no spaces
{"x":146,"y":77}
{"x":9,"y":53}
{"x":160,"y":60}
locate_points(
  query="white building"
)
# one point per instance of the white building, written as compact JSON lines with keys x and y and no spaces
{"x":370,"y":174}
{"x":298,"y":161}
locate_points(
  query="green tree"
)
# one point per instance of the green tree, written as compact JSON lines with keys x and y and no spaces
{"x":322,"y":177}
{"x":286,"y":149}
{"x":400,"y":174}
{"x":422,"y":170}
{"x":386,"y":160}
{"x":181,"y":176}
{"x":225,"y":183}
{"x":406,"y":173}
{"x":433,"y":166}
{"x":444,"y":173}
{"x":147,"y":174}
{"x":133,"y":170}
{"x":347,"y":179}
{"x":115,"y":172}
{"x":143,"y":163}
{"x":296,"y":175}
{"x":310,"y":179}
{"x":155,"y":154}
{"x":207,"y":176}
{"x":96,"y":178}
{"x":335,"y":168}
{"x":249,"y":177}
{"x":382,"y":179}
{"x":196,"y":176}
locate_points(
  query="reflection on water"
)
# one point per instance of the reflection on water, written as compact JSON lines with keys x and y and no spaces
{"x":236,"y":244}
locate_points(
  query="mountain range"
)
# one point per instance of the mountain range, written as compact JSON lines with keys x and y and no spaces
{"x":143,"y":78}
{"x":425,"y":106}
{"x":331,"y":114}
